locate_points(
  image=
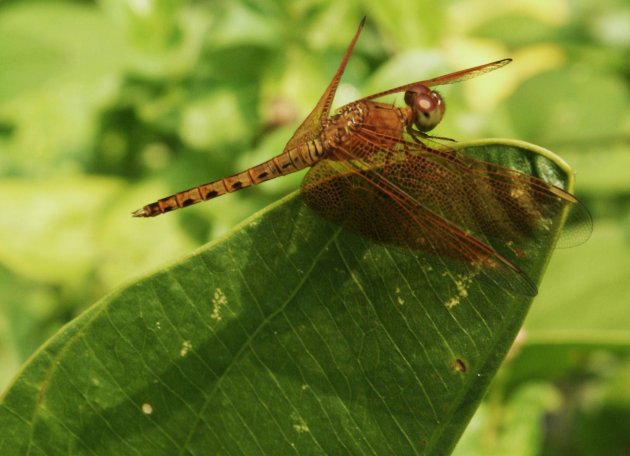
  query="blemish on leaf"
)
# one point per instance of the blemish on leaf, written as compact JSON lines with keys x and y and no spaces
{"x":452,"y":302}
{"x":147,"y":408}
{"x":462,"y":283}
{"x":291,"y":249}
{"x":400,"y":300}
{"x":517,"y":193}
{"x":300,"y":426}
{"x":186,"y":346}
{"x":459,"y":365}
{"x":158,"y":325}
{"x":218,"y":300}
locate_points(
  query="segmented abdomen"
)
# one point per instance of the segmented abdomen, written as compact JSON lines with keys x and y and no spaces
{"x":288,"y":162}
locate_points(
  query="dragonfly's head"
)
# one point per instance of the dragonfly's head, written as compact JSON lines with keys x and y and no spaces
{"x":427,"y":107}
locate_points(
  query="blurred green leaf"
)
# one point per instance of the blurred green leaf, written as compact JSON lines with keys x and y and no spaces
{"x":515,"y":29}
{"x":587,"y":376}
{"x":50,"y":43}
{"x":78,"y":221}
{"x":587,"y":287}
{"x":562,"y":356}
{"x":290,"y":334}
{"x":400,"y":20}
{"x":602,"y":424}
{"x":56,"y":219}
{"x":220,"y":110}
{"x":601,"y":172}
{"x":515,"y":426}
{"x":569,"y":105}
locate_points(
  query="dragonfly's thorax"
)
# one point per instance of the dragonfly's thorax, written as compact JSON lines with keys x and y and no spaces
{"x":338,"y":130}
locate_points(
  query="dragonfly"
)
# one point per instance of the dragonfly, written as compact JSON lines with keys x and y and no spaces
{"x":376,"y":171}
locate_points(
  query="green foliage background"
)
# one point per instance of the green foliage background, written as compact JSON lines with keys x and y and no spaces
{"x":106,"y":106}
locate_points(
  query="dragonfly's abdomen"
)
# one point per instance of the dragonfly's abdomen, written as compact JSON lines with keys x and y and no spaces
{"x":289,"y":161}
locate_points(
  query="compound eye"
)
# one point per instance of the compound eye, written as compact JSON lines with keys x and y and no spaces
{"x":427,"y":106}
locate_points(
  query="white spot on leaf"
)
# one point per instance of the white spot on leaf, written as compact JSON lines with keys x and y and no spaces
{"x":300,"y":425}
{"x":301,"y":428}
{"x":400,"y":300}
{"x":218,"y":300}
{"x":462,"y":282}
{"x":147,"y":408}
{"x":452,"y":302}
{"x":186,"y":346}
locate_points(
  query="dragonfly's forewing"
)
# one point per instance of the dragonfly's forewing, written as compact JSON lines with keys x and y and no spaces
{"x":450,"y":78}
{"x":436,"y":200}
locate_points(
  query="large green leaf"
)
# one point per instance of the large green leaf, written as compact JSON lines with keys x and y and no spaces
{"x":289,"y":335}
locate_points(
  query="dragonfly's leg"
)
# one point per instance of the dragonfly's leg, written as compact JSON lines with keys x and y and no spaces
{"x":417,"y":134}
{"x":441,"y":138}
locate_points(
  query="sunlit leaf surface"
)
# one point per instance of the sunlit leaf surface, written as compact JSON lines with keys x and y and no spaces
{"x":288,"y":335}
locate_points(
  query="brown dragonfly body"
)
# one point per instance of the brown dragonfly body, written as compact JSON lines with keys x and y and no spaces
{"x":321,"y":136}
{"x":336,"y":133}
{"x":375,"y":171}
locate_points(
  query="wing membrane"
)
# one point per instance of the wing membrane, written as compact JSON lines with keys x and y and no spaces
{"x":450,"y":78}
{"x":435,"y":199}
{"x":309,"y":128}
